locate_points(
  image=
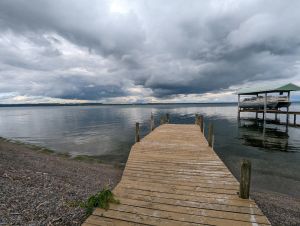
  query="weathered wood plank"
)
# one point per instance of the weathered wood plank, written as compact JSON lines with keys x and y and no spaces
{"x":172,"y":177}
{"x":192,"y":204}
{"x":195,"y":211}
{"x":186,"y":197}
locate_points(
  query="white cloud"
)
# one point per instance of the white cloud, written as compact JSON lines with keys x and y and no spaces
{"x":139,"y":51}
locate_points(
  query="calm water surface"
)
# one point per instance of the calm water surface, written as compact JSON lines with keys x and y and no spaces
{"x":108,"y":132}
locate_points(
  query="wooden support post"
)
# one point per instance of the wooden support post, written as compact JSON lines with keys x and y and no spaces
{"x":137,"y":132}
{"x":167,"y":118}
{"x":162,"y":120}
{"x":196,"y":119}
{"x":245,"y":179}
{"x":201,"y":122}
{"x":276,"y":116}
{"x":265,"y":109}
{"x":295,"y":119}
{"x":152,"y":122}
{"x":210,"y":134}
{"x":239,"y":110}
{"x":256,"y":114}
{"x":287,"y":111}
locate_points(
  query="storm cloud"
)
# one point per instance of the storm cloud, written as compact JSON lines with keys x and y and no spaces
{"x":145,"y":50}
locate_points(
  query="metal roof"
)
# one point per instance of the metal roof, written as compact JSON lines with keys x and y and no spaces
{"x":269,"y":89}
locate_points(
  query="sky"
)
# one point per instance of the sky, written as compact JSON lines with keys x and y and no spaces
{"x":59,"y":51}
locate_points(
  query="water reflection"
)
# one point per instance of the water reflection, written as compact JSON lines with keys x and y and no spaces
{"x":108,"y":132}
{"x":271,"y":138}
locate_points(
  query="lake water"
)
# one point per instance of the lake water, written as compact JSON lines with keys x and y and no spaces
{"x":108,"y":132}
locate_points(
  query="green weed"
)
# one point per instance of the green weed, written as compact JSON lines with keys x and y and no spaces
{"x":101,"y":200}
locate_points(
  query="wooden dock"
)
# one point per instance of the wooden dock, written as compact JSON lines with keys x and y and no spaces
{"x":172,"y":177}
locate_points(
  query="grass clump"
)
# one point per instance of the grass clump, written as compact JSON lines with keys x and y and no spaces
{"x":101,"y":200}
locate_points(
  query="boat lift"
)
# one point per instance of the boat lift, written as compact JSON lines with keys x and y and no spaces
{"x":281,"y":89}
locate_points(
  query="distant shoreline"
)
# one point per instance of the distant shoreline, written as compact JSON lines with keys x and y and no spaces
{"x":102,"y":104}
{"x":125,"y":104}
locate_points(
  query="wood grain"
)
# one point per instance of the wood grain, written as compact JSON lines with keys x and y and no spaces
{"x":172,"y":177}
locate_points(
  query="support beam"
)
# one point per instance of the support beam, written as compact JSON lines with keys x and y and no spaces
{"x":239,"y":113}
{"x":295,"y":120}
{"x":265,"y":109}
{"x":287,"y":109}
{"x":256,"y":114}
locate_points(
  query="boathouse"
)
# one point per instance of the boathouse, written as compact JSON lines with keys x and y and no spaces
{"x":263,"y":92}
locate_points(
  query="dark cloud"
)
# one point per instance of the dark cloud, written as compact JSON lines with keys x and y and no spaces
{"x":103,"y":49}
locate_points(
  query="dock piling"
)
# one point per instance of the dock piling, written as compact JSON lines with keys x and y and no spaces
{"x":167,"y":118}
{"x":245,"y":179}
{"x":210,"y":134}
{"x":152,"y":122}
{"x":162,"y":120}
{"x":295,"y":119}
{"x":196,"y":119}
{"x":137,"y":132}
{"x":201,"y":123}
{"x":239,"y":112}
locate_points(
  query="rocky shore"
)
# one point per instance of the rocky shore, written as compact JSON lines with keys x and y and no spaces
{"x":281,"y":210}
{"x":38,"y":187}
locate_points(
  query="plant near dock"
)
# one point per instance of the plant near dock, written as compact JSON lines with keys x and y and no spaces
{"x":101,"y":200}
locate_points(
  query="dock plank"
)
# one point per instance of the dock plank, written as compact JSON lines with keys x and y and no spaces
{"x":172,"y":177}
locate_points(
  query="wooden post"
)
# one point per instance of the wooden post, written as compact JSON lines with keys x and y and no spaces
{"x":162,"y":121}
{"x":265,"y":109}
{"x":256,"y":115}
{"x":201,"y":122}
{"x":152,"y":122}
{"x":245,"y":179}
{"x":137,"y":132}
{"x":196,"y":119}
{"x":167,"y":118}
{"x":295,"y":119}
{"x":239,"y":110}
{"x":287,"y":110}
{"x":210,"y":134}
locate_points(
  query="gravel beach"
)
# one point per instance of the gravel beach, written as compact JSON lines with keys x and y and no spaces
{"x":281,"y":210}
{"x":38,"y":187}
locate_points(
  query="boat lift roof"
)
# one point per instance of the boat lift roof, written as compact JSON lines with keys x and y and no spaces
{"x":268,"y":89}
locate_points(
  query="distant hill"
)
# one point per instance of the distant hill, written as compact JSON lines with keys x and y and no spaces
{"x":99,"y":104}
{"x":50,"y":104}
